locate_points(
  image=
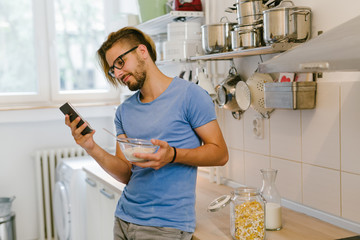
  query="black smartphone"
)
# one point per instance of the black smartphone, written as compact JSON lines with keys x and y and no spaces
{"x":68,"y":109}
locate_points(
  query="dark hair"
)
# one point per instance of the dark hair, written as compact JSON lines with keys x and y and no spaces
{"x":128,"y":35}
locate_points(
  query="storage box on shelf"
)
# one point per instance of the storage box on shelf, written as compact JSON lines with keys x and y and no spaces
{"x":183,"y":41}
{"x":290,"y":95}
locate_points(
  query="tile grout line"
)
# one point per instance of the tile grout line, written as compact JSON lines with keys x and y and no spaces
{"x":340,"y":158}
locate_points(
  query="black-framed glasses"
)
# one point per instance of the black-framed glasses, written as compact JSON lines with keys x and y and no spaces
{"x":119,"y":63}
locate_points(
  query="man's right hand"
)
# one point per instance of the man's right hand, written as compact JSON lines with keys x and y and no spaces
{"x":85,"y":141}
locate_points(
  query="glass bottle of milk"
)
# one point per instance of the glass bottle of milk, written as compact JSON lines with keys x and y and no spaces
{"x":273,"y":220}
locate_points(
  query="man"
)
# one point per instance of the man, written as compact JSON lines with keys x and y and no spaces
{"x":158,"y":201}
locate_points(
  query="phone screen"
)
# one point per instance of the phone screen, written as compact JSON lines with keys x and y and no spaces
{"x":68,"y":109}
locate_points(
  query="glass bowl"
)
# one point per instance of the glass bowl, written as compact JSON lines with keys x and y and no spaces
{"x":134,"y":145}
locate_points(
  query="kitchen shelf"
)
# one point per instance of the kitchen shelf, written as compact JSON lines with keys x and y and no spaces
{"x":159,"y":24}
{"x":171,"y":61}
{"x":274,"y":48}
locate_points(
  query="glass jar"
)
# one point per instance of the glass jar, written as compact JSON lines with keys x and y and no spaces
{"x":273,"y":220}
{"x":247,"y":215}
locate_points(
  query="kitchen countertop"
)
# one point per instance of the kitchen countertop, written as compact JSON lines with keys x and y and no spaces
{"x":215,"y":225}
{"x":296,"y":226}
{"x":95,"y":171}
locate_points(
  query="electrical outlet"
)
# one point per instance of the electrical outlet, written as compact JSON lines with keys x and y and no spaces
{"x":258,"y":127}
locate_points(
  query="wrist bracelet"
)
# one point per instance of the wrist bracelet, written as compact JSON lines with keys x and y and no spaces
{"x":174,"y":155}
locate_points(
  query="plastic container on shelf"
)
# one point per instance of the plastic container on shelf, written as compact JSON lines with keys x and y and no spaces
{"x":181,"y":49}
{"x":184,"y":31}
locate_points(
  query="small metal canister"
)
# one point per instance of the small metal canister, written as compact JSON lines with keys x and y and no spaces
{"x":247,"y":215}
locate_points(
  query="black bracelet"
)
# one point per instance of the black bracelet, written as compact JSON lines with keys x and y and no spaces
{"x":174,"y":155}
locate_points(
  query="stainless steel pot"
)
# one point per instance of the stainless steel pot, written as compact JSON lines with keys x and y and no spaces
{"x":251,"y":36}
{"x":235,"y":40}
{"x":217,"y":37}
{"x":249,"y":11}
{"x":247,"y":36}
{"x":252,"y":19}
{"x":287,"y":23}
{"x":226,"y":92}
{"x":249,"y":7}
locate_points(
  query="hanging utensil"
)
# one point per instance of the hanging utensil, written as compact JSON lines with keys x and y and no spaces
{"x":243,"y":95}
{"x":226,"y":93}
{"x":256,"y":85}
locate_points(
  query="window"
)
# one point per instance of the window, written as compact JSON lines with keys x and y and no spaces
{"x":48,"y":50}
{"x":17,"y":56}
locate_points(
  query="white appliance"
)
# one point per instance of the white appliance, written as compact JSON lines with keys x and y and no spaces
{"x":69,"y":198}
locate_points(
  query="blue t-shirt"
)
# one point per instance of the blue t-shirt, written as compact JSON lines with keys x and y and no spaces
{"x":164,"y":197}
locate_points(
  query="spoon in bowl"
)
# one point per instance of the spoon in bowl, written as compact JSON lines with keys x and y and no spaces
{"x":109,"y":132}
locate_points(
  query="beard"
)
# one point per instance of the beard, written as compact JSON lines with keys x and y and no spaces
{"x":139,"y":76}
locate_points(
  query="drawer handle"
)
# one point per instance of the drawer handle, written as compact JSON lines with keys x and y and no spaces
{"x":90,"y":182}
{"x":106,"y":194}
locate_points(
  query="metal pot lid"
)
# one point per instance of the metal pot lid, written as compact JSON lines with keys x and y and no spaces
{"x":243,"y":1}
{"x":219,"y":203}
{"x":221,"y":95}
{"x":242,"y":95}
{"x":282,"y":7}
{"x":219,"y":24}
{"x":287,"y":8}
{"x":224,"y":21}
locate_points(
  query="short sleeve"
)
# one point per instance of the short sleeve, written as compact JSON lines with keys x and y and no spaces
{"x":118,"y":122}
{"x":200,"y":107}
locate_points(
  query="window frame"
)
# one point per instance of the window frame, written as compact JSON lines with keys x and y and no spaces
{"x":48,"y":91}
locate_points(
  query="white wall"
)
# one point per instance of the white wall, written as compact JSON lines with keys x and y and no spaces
{"x":316,"y":151}
{"x":23,"y":132}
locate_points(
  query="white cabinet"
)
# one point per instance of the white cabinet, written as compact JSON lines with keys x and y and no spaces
{"x":101,"y":201}
{"x":93,"y":219}
{"x":108,"y":202}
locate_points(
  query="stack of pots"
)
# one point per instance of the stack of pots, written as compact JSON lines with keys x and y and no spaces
{"x":248,"y":33}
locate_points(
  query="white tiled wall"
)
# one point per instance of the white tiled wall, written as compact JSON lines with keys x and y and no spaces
{"x":289,"y":178}
{"x":317,"y":152}
{"x":285,"y":136}
{"x":350,"y":196}
{"x":251,"y":142}
{"x":253,"y":164}
{"x":320,"y":128}
{"x":321,"y":188}
{"x":236,"y":167}
{"x":350,"y":127}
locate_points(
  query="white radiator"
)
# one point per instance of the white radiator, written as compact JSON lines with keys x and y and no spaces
{"x":46,"y":162}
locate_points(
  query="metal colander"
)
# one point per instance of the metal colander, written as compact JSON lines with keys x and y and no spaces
{"x":256,"y":85}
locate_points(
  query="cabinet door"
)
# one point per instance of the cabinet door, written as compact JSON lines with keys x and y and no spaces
{"x":108,"y":202}
{"x":93,"y":211}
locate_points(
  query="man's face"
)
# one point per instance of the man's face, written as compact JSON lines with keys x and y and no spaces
{"x":133,"y":72}
{"x":139,"y":76}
